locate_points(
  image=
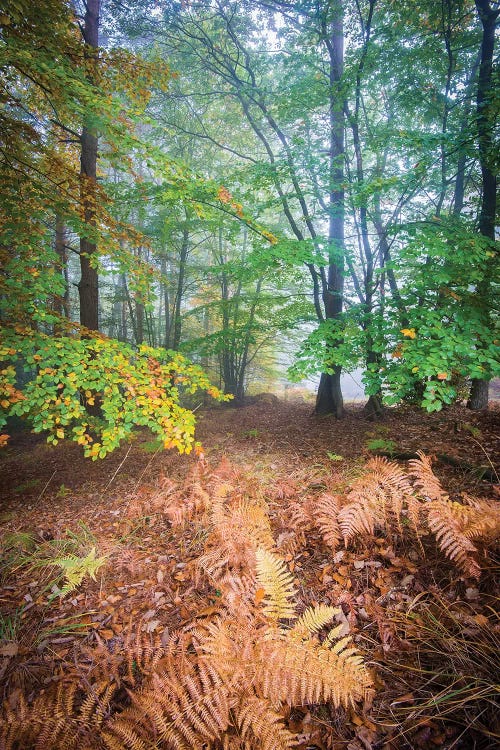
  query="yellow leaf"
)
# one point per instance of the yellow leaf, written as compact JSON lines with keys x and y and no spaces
{"x":409,"y":332}
{"x":60,"y":434}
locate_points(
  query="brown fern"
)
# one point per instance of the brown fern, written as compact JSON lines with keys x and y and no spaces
{"x":326,"y":511}
{"x":182,"y":711}
{"x":425,"y":480}
{"x":67,"y":717}
{"x":260,"y":726}
{"x":450,"y":538}
{"x":377,"y":499}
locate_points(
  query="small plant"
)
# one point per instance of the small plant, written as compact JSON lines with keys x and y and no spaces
{"x":63,"y":491}
{"x":15,"y":550}
{"x":253,"y":433}
{"x":334,"y":456}
{"x":74,"y":569}
{"x":381,"y":444}
{"x":28,"y":485}
{"x":472,"y":429}
{"x":9,"y":625}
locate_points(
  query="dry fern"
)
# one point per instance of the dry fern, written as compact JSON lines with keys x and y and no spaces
{"x":308,"y":672}
{"x":313,"y":620}
{"x":326,"y":510}
{"x":260,"y":726}
{"x":179,"y":711}
{"x":384,"y":497}
{"x":426,"y":481}
{"x":377,"y":499}
{"x":64,"y":718}
{"x":450,"y":538}
{"x":277,"y":584}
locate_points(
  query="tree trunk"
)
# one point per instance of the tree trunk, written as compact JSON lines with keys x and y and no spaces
{"x":88,"y":286}
{"x":61,"y":302}
{"x":485,"y":126}
{"x":180,"y":289}
{"x":478,"y":397}
{"x":329,"y":397}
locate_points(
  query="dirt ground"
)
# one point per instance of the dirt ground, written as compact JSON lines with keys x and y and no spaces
{"x":46,"y":491}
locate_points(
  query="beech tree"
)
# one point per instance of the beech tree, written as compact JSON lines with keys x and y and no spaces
{"x":88,"y":286}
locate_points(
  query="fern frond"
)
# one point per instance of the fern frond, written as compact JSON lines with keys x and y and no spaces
{"x":356,"y":519}
{"x":182,"y":710}
{"x":450,"y":538}
{"x":76,"y":568}
{"x":59,"y":719}
{"x":479,"y":519}
{"x":298,"y":673}
{"x":260,"y":726}
{"x":95,"y":706}
{"x":277,"y":581}
{"x":313,"y":620}
{"x":425,"y":480}
{"x":239,"y":527}
{"x":326,"y":511}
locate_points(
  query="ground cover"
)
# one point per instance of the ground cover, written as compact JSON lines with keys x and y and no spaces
{"x":105,"y":564}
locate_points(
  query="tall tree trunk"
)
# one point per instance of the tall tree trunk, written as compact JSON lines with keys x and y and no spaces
{"x":88,"y":286}
{"x":329,"y":397}
{"x":139,"y":313}
{"x":485,"y":127}
{"x":180,"y":289}
{"x":139,"y":318}
{"x":166,"y":303}
{"x":61,"y":302}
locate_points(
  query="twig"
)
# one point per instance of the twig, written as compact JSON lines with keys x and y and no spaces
{"x":50,"y":480}
{"x":118,"y":469}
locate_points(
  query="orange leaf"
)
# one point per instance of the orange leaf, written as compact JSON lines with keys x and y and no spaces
{"x":259,"y":595}
{"x":442,"y":375}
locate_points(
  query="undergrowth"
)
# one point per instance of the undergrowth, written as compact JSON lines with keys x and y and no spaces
{"x":236,"y":673}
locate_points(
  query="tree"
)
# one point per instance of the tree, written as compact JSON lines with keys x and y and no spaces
{"x":88,"y":286}
{"x":487,"y":111}
{"x":49,"y":92}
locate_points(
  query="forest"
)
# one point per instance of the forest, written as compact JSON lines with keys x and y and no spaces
{"x":212,"y":212}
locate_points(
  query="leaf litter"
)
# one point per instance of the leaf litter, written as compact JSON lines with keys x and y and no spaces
{"x":414,"y":617}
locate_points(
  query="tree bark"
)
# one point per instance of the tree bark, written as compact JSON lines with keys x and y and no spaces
{"x":329,"y":398}
{"x":479,"y":395}
{"x":478,"y":399}
{"x":61,"y":302}
{"x":88,"y":287}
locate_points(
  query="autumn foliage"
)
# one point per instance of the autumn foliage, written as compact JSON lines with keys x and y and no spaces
{"x":95,"y":391}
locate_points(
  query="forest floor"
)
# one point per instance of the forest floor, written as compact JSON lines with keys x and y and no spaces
{"x":429,"y":635}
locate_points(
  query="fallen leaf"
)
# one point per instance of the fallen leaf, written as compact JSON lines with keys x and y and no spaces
{"x":150,"y":626}
{"x":471,"y":594}
{"x":481,"y":620}
{"x":9,"y":649}
{"x":259,"y":595}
